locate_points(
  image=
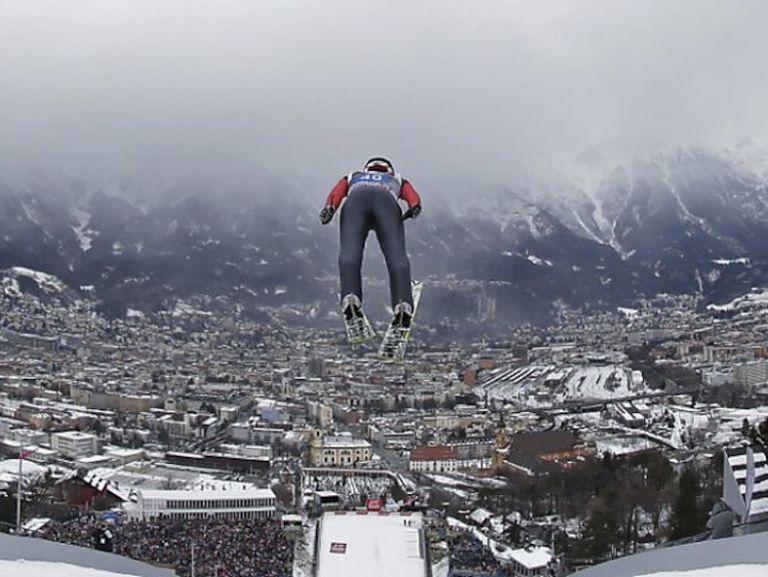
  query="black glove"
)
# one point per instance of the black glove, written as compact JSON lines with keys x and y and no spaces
{"x":412,"y":212}
{"x":326,"y":215}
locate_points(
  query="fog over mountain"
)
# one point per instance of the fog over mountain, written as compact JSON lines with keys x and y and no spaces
{"x":456,"y":94}
{"x":591,"y":152}
{"x":682,"y":221}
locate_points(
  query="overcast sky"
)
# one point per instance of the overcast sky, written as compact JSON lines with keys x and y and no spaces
{"x":310,"y":88}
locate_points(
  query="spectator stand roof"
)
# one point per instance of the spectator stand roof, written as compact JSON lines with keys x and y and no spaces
{"x":13,"y":548}
{"x":706,"y":558}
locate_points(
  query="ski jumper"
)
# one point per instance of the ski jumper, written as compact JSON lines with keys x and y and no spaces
{"x":373,"y":203}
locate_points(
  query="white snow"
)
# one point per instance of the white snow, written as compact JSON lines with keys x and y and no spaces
{"x":83,"y":218}
{"x":756,"y":298}
{"x":629,"y":313}
{"x":24,"y":568}
{"x":538,"y":261}
{"x":183,"y":308}
{"x":28,"y":468}
{"x":725,"y":261}
{"x":602,"y":382}
{"x":303,"y":552}
{"x":47,"y":282}
{"x":382,"y":545}
{"x":751,"y":570}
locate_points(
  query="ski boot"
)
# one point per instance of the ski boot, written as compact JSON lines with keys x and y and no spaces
{"x":403,"y":315}
{"x":359,"y":329}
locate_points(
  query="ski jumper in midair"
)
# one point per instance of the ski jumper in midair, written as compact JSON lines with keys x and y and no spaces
{"x":374,"y":198}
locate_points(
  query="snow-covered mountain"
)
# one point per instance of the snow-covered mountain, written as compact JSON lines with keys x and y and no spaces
{"x":590,"y":231}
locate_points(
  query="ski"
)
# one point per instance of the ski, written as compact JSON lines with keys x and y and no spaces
{"x":358,"y":327}
{"x":359,"y":330}
{"x":396,"y":338}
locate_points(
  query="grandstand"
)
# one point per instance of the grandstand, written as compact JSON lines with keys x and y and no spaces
{"x":373,"y":544}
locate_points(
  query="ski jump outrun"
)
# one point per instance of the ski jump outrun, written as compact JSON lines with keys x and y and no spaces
{"x":375,"y":198}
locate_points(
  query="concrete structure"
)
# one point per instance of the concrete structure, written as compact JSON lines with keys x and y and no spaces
{"x":74,"y":444}
{"x":749,"y":374}
{"x":339,"y":450}
{"x":13,"y":548}
{"x":249,"y":503}
{"x":721,"y":557}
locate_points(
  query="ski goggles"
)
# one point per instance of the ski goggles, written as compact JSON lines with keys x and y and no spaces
{"x":379,"y":165}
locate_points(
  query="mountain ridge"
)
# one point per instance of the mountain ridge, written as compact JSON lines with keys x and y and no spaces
{"x":686,"y":221}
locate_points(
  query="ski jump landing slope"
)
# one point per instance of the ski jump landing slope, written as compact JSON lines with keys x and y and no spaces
{"x":744,"y":556}
{"x":374,"y":545}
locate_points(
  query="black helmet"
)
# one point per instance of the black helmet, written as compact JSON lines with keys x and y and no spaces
{"x":379,"y":164}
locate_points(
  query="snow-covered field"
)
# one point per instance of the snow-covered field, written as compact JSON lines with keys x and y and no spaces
{"x":601,"y":382}
{"x":545,"y":385}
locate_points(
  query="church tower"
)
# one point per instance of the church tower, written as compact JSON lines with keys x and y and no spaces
{"x":500,"y":448}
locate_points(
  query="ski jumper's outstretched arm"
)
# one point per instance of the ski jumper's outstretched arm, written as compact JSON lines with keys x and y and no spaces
{"x":338,"y":193}
{"x":409,"y":195}
{"x":334,"y":199}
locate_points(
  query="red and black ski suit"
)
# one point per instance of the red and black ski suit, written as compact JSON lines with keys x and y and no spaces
{"x":374,"y":201}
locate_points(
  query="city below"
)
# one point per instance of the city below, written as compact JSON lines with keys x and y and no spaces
{"x":208,"y":444}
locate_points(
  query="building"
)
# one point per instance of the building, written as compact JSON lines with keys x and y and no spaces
{"x":87,"y":489}
{"x":247,"y":503}
{"x":749,"y":374}
{"x":436,"y":459}
{"x":539,"y":452}
{"x":74,"y":444}
{"x":338,"y":450}
{"x":531,"y":561}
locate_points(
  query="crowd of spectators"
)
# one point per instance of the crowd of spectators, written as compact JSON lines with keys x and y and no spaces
{"x":471,"y":557}
{"x":223,"y":547}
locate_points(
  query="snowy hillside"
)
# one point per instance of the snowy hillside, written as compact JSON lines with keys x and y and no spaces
{"x":18,"y":280}
{"x":595,"y":230}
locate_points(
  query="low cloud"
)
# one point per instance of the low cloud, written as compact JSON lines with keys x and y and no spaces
{"x":454,"y":92}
